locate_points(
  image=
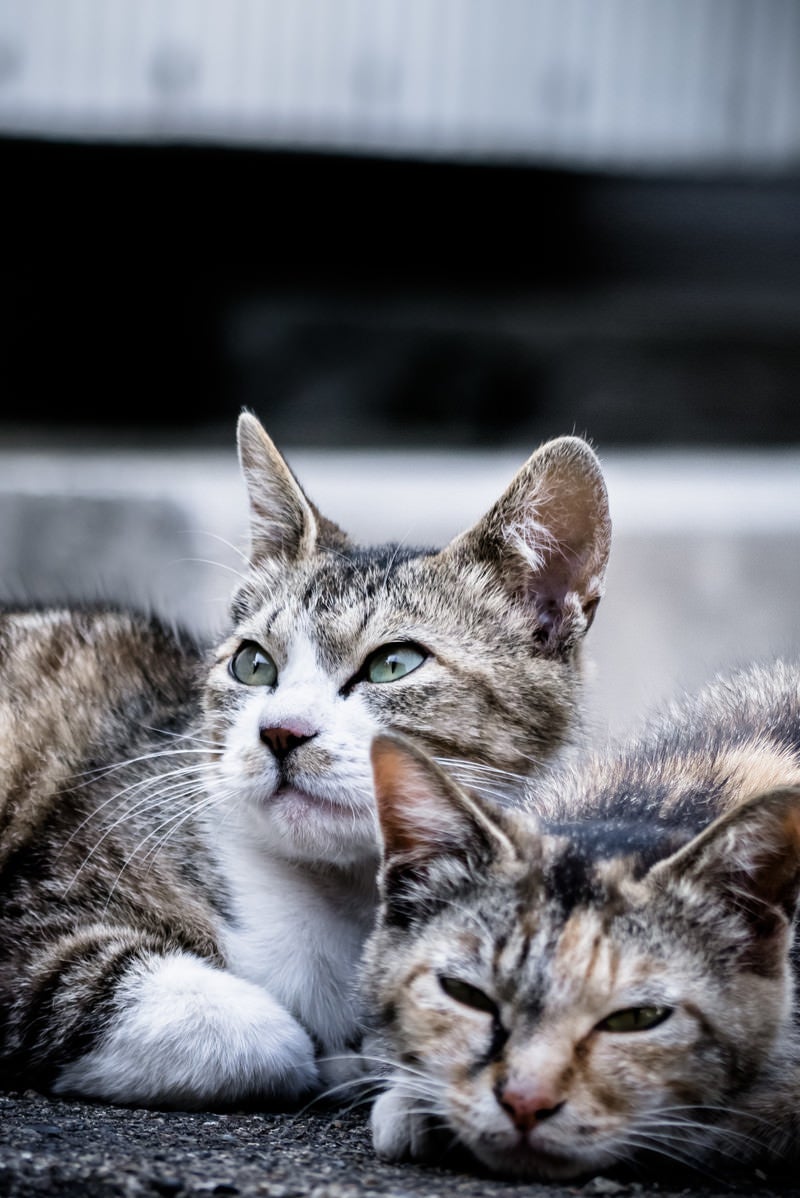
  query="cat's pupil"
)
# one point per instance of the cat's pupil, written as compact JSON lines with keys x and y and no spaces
{"x":634,"y":1019}
{"x":391,"y":662}
{"x":467,"y":994}
{"x":253,"y":666}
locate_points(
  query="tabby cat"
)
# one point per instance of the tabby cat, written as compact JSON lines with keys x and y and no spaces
{"x":188,"y":839}
{"x":605,"y":974}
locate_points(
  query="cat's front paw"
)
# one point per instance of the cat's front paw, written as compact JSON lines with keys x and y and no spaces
{"x":190,"y":1035}
{"x":398,"y":1132}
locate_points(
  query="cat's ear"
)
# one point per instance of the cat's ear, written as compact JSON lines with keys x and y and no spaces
{"x":549,"y":535}
{"x":749,"y":858}
{"x":426,"y":817}
{"x":283,"y":522}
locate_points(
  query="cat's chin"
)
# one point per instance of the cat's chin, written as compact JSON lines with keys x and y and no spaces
{"x":297,"y":802}
{"x":304,"y":825}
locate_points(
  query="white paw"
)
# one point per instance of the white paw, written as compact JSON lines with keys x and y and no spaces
{"x":397,"y":1132}
{"x":189,"y":1035}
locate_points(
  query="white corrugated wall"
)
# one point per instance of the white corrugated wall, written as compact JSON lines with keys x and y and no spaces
{"x":650,"y":83}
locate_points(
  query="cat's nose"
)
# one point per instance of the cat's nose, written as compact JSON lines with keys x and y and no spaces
{"x":281,"y":741}
{"x":528,"y":1106}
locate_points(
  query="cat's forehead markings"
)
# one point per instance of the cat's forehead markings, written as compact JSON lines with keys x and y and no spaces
{"x":265,"y":620}
{"x":511,"y":953}
{"x":585,"y":958}
{"x":302,"y":661}
{"x":570,"y":878}
{"x":338,"y":630}
{"x":337,"y":597}
{"x":581,"y":942}
{"x":597,"y":856}
{"x":469,"y":943}
{"x":364,"y":576}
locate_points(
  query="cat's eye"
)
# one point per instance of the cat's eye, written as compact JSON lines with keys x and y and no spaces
{"x":391,"y":662}
{"x":253,"y":666}
{"x":634,"y":1019}
{"x":467,"y":994}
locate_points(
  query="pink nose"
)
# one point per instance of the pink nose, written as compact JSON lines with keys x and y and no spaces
{"x":282,"y":740}
{"x":527,"y":1106}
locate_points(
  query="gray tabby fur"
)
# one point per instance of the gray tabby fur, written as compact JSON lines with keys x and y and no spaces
{"x":187,"y":862}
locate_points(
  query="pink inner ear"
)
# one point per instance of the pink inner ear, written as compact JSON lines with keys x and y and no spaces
{"x":562,"y":543}
{"x":390,"y":793}
{"x":549,"y":615}
{"x":560,"y":615}
{"x":418,"y":813}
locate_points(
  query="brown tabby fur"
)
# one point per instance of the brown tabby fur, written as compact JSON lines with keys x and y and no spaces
{"x":660,"y":883}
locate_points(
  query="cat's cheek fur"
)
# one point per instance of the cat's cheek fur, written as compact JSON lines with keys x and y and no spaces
{"x":189,"y":1035}
{"x":450,"y":1091}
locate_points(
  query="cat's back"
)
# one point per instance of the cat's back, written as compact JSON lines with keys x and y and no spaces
{"x":761,"y":700}
{"x":76,"y":687}
{"x":739,"y":737}
{"x":704,"y":755}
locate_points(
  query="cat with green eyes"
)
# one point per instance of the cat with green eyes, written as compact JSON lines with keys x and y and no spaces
{"x":604,"y":975}
{"x":188,"y":837}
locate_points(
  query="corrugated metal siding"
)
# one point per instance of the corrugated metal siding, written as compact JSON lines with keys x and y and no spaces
{"x":650,"y":83}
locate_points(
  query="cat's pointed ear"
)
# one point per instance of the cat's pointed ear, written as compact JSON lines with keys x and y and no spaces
{"x":549,"y":535}
{"x":423,"y":812}
{"x":283,"y":522}
{"x":749,"y":858}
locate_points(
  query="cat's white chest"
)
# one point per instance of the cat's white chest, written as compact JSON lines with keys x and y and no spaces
{"x":300,"y":938}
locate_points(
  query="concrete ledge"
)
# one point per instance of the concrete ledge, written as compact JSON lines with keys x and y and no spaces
{"x":705,"y":569}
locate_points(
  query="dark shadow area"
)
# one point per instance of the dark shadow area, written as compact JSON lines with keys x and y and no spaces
{"x":148,"y":293}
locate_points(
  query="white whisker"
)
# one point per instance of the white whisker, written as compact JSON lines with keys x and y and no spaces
{"x":204,"y":532}
{"x":100,"y":772}
{"x":205,"y":561}
{"x":153,"y":780}
{"x":172,"y":823}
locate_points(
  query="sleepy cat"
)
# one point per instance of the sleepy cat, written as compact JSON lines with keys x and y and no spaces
{"x":188,"y":839}
{"x":605,"y":976}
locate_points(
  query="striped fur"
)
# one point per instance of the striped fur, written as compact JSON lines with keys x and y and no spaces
{"x":187,"y":861}
{"x":656,"y":884}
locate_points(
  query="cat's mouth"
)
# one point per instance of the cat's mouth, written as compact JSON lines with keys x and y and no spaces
{"x":289,"y":794}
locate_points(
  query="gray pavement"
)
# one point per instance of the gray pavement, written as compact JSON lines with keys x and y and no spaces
{"x":79,"y":1150}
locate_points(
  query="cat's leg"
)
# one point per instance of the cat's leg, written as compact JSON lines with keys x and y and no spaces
{"x":399,"y":1130}
{"x":184,"y":1033}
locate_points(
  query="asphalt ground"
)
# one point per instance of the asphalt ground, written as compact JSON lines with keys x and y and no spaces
{"x":86,"y":1150}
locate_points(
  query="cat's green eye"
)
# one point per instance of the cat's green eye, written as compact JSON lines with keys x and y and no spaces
{"x":468,"y":995}
{"x":253,"y":666}
{"x":391,"y":662}
{"x":634,"y":1019}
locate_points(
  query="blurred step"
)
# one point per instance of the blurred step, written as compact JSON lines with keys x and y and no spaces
{"x":705,"y":569}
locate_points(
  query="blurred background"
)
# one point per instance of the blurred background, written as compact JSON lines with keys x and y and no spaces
{"x":417,"y":237}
